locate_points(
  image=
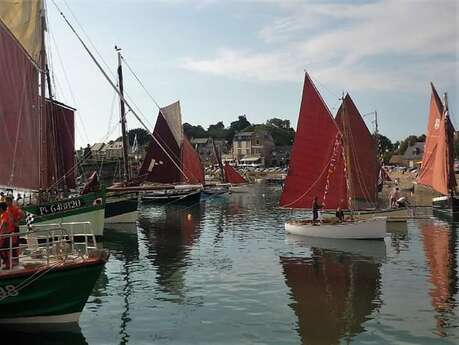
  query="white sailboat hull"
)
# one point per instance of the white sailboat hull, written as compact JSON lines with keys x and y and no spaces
{"x":234,"y":188}
{"x":369,"y":229}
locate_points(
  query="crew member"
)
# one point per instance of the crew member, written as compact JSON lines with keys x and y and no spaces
{"x":6,"y":227}
{"x":315,"y":210}
{"x":17,"y":215}
{"x":340,"y":214}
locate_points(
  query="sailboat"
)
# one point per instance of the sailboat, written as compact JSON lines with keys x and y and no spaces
{"x":321,"y":166}
{"x":437,"y":169}
{"x":37,"y":159}
{"x":171,"y":161}
{"x":122,"y":206}
{"x":222,"y":188}
{"x":238,"y":184}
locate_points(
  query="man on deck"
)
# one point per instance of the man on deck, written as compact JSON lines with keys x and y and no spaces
{"x":16,"y":215}
{"x":315,"y":210}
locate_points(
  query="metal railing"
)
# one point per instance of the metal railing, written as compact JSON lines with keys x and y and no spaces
{"x":46,"y":243}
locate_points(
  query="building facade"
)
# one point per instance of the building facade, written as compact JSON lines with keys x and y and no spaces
{"x":253,"y":147}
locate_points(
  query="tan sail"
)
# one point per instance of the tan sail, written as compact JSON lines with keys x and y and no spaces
{"x":23,"y":19}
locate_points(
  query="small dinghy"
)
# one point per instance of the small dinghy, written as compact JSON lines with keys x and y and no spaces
{"x":365,"y":229}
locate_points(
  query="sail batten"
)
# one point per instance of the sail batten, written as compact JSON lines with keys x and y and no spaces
{"x":317,"y":167}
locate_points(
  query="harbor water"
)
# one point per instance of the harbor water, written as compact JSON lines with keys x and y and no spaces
{"x":224,"y":272}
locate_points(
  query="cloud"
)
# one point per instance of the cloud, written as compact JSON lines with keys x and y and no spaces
{"x":381,"y":45}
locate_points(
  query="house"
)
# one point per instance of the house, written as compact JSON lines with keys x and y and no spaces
{"x":281,"y":156}
{"x":113,"y":150}
{"x":413,"y":154}
{"x":97,"y":151}
{"x":205,"y":149}
{"x":256,"y":145}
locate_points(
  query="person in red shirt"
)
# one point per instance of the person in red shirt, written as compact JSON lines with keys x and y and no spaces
{"x":6,"y":227}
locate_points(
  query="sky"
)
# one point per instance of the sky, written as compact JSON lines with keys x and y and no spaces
{"x":224,"y":58}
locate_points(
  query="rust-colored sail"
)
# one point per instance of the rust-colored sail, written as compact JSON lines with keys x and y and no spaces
{"x":437,"y":168}
{"x":232,"y":175}
{"x":191,"y":164}
{"x":360,"y":150}
{"x":439,"y":247}
{"x":317,"y":162}
{"x":162,"y":161}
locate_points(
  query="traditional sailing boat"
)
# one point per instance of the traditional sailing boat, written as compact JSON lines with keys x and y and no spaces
{"x":37,"y":157}
{"x":321,"y":166}
{"x":437,"y":169}
{"x":171,"y":161}
{"x":238,"y":184}
{"x":122,"y":206}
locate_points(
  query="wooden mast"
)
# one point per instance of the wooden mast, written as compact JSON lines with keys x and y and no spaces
{"x":126,"y":174}
{"x":42,"y":161}
{"x":347,"y":155}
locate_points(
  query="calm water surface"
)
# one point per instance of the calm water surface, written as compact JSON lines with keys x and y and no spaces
{"x":224,"y":272}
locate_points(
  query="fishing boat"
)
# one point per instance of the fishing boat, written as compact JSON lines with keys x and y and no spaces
{"x":37,"y":159}
{"x":437,"y":169}
{"x":53,"y":277}
{"x":122,"y":207}
{"x":171,"y":159}
{"x":324,"y":166}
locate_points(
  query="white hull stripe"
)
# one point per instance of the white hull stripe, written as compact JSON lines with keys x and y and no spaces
{"x":66,"y":318}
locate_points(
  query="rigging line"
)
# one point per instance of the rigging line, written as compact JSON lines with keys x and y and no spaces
{"x":140,"y":82}
{"x":112,"y":83}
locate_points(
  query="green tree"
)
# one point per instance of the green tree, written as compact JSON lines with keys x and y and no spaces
{"x":194,"y":131}
{"x":236,"y":126}
{"x":279,"y":123}
{"x":217,"y":131}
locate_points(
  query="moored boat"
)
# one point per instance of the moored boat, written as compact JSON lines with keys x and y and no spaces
{"x":53,"y":278}
{"x":437,"y":169}
{"x":333,"y":162}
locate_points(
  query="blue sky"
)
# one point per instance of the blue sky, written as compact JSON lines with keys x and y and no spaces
{"x":226,"y":58}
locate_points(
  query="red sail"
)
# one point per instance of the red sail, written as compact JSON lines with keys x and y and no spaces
{"x":360,"y":149}
{"x":317,"y":163}
{"x":191,"y":164}
{"x":437,"y":168}
{"x":232,"y":176}
{"x":162,"y":161}
{"x":20,"y":114}
{"x":61,"y":137}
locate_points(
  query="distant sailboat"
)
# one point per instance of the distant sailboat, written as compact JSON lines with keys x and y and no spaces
{"x":171,"y":159}
{"x":238,"y":184}
{"x":322,"y":165}
{"x":37,"y":157}
{"x":437,"y":169}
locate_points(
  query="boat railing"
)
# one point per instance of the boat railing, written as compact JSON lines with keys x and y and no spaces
{"x":47,"y":244}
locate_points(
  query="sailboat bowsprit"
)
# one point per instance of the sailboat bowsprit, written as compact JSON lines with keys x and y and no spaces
{"x":326,"y":164}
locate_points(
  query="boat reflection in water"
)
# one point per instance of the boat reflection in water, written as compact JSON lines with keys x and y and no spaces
{"x":33,"y":334}
{"x":440,"y":246}
{"x":334,"y":292}
{"x":171,"y":232}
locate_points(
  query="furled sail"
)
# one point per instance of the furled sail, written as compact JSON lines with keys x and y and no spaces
{"x":20,"y":106}
{"x":360,"y":149}
{"x":232,"y":175}
{"x":317,"y":166}
{"x":191,"y":164}
{"x":437,"y":168}
{"x":23,"y":19}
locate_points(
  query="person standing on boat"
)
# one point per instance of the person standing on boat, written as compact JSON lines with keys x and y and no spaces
{"x":6,"y":227}
{"x":315,"y":210}
{"x":17,"y":215}
{"x":340,"y":214}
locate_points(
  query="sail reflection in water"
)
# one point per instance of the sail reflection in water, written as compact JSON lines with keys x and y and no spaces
{"x":171,"y":232}
{"x":334,"y":293}
{"x":439,"y":242}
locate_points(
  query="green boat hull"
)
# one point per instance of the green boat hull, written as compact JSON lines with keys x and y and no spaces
{"x":85,"y":208}
{"x":58,"y":296}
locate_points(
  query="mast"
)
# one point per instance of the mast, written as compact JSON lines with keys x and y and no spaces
{"x":42,"y":160}
{"x":126,"y":174}
{"x":450,"y":145}
{"x":347,"y":156}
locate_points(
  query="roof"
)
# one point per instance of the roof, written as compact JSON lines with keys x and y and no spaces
{"x":97,"y":146}
{"x":199,"y":140}
{"x":396,"y":159}
{"x":243,"y":134}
